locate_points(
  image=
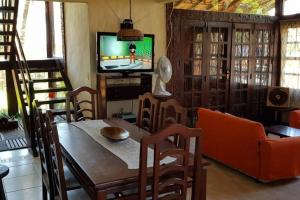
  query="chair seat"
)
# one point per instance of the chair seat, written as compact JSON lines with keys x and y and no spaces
{"x":71,"y":182}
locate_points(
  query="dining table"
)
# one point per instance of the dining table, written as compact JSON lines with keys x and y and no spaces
{"x":99,"y":171}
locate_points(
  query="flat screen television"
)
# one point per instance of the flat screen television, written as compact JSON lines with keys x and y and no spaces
{"x":124,"y":56}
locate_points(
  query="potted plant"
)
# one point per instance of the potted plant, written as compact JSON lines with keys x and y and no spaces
{"x":8,"y":122}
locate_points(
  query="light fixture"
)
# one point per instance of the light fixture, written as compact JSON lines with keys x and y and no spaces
{"x":127,"y":32}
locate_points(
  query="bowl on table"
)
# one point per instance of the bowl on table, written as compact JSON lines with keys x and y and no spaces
{"x":114,"y":133}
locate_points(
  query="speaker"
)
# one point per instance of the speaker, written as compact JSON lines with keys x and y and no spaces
{"x":278,"y":97}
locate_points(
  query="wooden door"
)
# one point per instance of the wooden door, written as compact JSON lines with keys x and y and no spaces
{"x":262,"y":68}
{"x":240,"y":69}
{"x":192,"y":51}
{"x":217,"y":62}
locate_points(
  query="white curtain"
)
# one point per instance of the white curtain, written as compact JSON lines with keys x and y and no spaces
{"x":290,"y":60}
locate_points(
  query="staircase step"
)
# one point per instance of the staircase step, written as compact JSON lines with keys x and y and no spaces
{"x":60,"y":89}
{"x":38,"y":70}
{"x":7,"y":9}
{"x":60,"y":111}
{"x":53,"y":101}
{"x":6,"y":33}
{"x":45,"y":80}
{"x":7,"y":21}
{"x":6,"y":53}
{"x":6,"y":43}
{"x":49,"y":80}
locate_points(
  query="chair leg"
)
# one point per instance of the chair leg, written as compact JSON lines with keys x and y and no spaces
{"x":45,"y":192}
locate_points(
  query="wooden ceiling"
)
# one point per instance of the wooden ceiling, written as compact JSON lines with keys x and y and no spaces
{"x":239,"y":6}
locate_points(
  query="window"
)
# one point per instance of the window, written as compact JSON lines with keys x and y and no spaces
{"x":33,"y":31}
{"x":58,"y":30}
{"x":290,"y":59}
{"x":291,"y":7}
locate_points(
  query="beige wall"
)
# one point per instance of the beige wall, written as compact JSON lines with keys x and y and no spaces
{"x":148,"y":16}
{"x":106,"y":15}
{"x":77,"y":44}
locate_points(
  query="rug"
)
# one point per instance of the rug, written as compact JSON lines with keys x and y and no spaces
{"x":13,"y":139}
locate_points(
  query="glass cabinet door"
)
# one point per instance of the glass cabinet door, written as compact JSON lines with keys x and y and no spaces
{"x":193,"y":72}
{"x":240,"y":70}
{"x":218,"y":67}
{"x":263,"y":68}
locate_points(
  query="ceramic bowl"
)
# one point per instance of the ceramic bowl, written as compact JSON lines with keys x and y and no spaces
{"x":115,"y":133}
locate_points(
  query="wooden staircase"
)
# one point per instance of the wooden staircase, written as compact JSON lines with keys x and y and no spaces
{"x":43,"y":80}
{"x":8,"y":19}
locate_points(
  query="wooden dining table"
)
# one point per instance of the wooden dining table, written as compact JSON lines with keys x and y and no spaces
{"x":99,"y":171}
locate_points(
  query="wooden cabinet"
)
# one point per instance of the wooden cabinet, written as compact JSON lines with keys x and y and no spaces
{"x":222,"y":66}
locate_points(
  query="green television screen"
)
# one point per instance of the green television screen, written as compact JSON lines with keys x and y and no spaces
{"x":129,"y":56}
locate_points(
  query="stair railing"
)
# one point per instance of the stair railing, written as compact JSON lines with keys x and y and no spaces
{"x":28,"y":89}
{"x":22,"y":65}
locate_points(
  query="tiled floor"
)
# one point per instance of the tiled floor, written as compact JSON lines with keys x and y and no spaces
{"x":24,"y":180}
{"x":223,"y":183}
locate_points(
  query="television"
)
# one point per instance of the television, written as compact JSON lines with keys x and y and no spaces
{"x":124,"y":56}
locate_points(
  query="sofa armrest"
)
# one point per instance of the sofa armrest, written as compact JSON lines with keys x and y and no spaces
{"x":294,"y":120}
{"x":280,"y":158}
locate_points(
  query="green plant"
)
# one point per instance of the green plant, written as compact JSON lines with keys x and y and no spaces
{"x":13,"y":117}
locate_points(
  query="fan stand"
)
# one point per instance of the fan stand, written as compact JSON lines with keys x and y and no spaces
{"x":160,"y":88}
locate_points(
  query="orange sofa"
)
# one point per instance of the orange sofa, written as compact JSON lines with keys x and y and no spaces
{"x":295,"y":119}
{"x":243,"y":145}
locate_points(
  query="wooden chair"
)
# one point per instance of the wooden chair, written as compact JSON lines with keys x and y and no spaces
{"x":147,"y":112}
{"x":44,"y":151}
{"x":82,"y":112}
{"x":163,"y":176}
{"x":42,"y":141}
{"x":171,"y":112}
{"x":57,"y":164}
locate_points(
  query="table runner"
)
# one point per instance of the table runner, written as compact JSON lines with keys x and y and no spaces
{"x":127,"y":150}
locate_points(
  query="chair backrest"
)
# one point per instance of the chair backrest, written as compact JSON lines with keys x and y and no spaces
{"x":173,"y":175}
{"x":82,"y":112}
{"x":43,"y":143}
{"x":147,"y":112}
{"x":170,"y":112}
{"x":56,"y":158}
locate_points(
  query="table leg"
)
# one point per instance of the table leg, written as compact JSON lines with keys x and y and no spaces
{"x":2,"y":193}
{"x":101,"y":196}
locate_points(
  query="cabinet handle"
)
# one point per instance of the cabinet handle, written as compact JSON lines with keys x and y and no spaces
{"x":251,"y":76}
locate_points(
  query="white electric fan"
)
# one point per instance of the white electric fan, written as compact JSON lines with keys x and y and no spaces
{"x":164,"y":74}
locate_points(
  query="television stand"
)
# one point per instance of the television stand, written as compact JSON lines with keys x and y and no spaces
{"x":118,"y":88}
{"x":126,"y":74}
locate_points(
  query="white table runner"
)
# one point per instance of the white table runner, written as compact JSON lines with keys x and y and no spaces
{"x":127,"y":150}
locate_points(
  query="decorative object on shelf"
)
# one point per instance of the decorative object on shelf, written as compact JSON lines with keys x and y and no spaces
{"x":127,"y":32}
{"x":278,"y":97}
{"x":115,"y":133}
{"x":164,"y":72}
